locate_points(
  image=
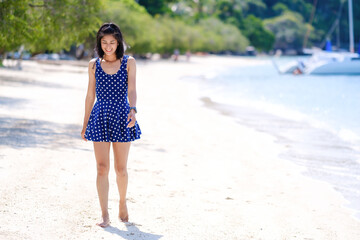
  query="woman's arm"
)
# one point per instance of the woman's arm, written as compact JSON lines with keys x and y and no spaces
{"x":132,"y":90}
{"x":90,"y":96}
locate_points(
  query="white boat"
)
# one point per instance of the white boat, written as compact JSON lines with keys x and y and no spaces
{"x":327,"y":62}
{"x":331,"y":63}
{"x":288,"y":68}
{"x":322,"y":62}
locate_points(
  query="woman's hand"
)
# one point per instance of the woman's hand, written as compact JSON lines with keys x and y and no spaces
{"x":82,"y":134}
{"x":131,"y":117}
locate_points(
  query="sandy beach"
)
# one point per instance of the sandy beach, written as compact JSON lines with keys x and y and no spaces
{"x":196,"y":173}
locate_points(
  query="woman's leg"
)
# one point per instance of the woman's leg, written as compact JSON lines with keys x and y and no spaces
{"x":102,"y":150}
{"x":121,"y":152}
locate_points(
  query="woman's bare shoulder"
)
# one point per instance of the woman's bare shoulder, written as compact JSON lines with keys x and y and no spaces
{"x":92,"y":61}
{"x":131,"y":63}
{"x":131,"y":60}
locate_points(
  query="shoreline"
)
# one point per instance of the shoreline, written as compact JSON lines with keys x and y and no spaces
{"x":327,"y":154}
{"x":290,"y":152}
{"x":213,"y":177}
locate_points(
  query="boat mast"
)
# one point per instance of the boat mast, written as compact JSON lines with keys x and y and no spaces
{"x":310,"y":23}
{"x":351,"y":27}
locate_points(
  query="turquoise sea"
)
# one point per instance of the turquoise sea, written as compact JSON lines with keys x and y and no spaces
{"x":316,"y":118}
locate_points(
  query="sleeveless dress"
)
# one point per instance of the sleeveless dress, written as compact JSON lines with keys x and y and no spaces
{"x":108,"y":117}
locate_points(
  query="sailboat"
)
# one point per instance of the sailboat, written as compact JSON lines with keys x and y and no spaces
{"x":328,"y":62}
{"x":324,"y":62}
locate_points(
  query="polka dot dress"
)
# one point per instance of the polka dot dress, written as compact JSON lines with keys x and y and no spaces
{"x":108,"y":118}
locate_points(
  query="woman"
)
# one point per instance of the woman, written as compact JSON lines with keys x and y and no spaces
{"x":112,"y":79}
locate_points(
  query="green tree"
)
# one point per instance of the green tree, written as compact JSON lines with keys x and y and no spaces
{"x":156,"y":6}
{"x":252,"y":7}
{"x":289,"y":29}
{"x":279,"y":8}
{"x":255,"y":31}
{"x":222,"y":37}
{"x":46,"y":25}
{"x":136,"y":24}
{"x":229,"y":12}
{"x":174,"y":34}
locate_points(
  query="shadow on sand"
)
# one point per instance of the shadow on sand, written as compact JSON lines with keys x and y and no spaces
{"x":30,"y":133}
{"x":132,"y":233}
{"x":21,"y":82}
{"x":9,"y":103}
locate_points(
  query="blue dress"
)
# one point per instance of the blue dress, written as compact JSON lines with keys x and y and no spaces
{"x":108,"y":117}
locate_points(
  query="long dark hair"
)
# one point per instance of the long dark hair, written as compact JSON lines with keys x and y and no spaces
{"x":110,"y":29}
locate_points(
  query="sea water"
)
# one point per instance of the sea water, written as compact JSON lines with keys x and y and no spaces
{"x":317,"y":118}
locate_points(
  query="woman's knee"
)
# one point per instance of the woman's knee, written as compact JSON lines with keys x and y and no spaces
{"x":102,"y":169}
{"x":121,"y":171}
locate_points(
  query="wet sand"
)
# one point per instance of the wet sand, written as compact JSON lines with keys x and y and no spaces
{"x":194,"y":174}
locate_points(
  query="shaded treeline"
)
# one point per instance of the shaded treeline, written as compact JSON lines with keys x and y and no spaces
{"x":164,"y":25}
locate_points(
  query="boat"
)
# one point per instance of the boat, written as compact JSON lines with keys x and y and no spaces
{"x":323,"y":62}
{"x":331,"y":63}
{"x":327,"y":62}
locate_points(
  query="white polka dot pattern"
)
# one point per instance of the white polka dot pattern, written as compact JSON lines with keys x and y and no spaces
{"x":107,"y":121}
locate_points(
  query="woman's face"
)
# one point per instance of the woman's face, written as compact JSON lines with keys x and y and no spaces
{"x":109,"y":44}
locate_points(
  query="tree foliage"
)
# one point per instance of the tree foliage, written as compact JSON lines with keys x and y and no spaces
{"x":289,"y":29}
{"x":156,"y":6}
{"x":222,"y":37}
{"x":164,"y":25}
{"x":255,"y":31}
{"x":46,"y":25}
{"x":135,"y":22}
{"x":164,"y":33}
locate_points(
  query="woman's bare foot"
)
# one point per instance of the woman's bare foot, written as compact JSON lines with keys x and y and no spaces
{"x":105,"y":222}
{"x":123,"y":212}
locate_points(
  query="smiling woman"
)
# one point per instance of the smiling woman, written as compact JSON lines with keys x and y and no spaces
{"x":109,"y":44}
{"x":112,"y":117}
